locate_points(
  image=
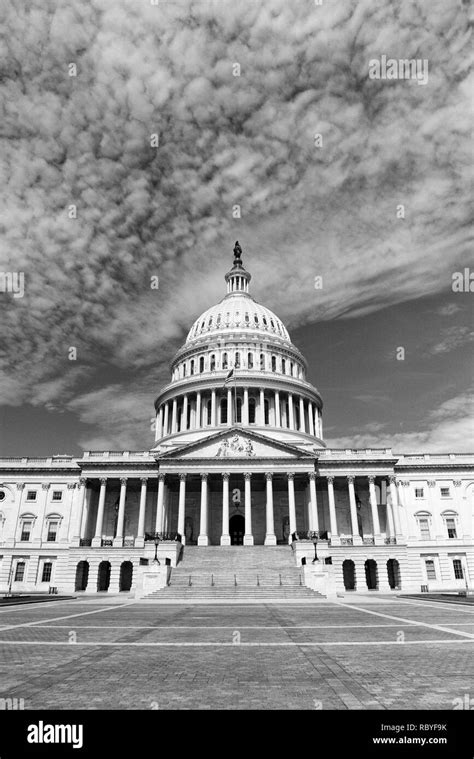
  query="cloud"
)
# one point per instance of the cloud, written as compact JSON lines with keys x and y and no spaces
{"x":447,"y":429}
{"x":451,"y":339}
{"x":223,"y":140}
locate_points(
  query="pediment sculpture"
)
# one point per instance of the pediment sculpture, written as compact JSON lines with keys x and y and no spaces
{"x":235,"y":446}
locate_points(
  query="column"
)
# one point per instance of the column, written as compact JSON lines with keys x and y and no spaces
{"x":166,"y":420}
{"x":82,"y":499}
{"x":184,"y":418}
{"x":277,"y":409}
{"x":182,"y":505}
{"x":198,"y":410}
{"x":245,"y":410}
{"x":229,"y":408}
{"x":97,"y":539}
{"x":302,"y":419}
{"x":291,"y":412}
{"x":213,"y":409}
{"x":159,"y":424}
{"x":174,"y":417}
{"x":160,"y":503}
{"x":390,"y":523}
{"x":203,"y":539}
{"x":248,"y":537}
{"x":118,"y":540}
{"x":225,"y":537}
{"x":313,"y":503}
{"x":375,"y":513}
{"x":395,"y":507}
{"x":261,"y":407}
{"x":335,"y":539}
{"x":270,"y":537}
{"x":316,"y":422}
{"x":85,"y":511}
{"x":140,"y":539}
{"x":310,"y":418}
{"x":356,"y":538}
{"x":291,"y":504}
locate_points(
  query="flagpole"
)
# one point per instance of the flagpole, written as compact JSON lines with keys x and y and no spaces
{"x":235,"y":397}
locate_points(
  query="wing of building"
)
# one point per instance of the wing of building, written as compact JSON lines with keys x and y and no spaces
{"x":239,"y":459}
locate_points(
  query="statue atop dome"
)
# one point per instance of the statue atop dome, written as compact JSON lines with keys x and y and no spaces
{"x":237,"y":254}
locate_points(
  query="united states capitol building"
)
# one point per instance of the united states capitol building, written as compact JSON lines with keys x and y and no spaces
{"x":238,"y":469}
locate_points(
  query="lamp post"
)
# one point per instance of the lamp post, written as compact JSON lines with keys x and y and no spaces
{"x":156,"y":540}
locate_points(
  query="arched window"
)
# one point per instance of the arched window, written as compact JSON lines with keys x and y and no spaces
{"x":209,"y":413}
{"x":201,"y":364}
{"x":218,"y":320}
{"x":213,"y":362}
{"x":224,"y":361}
{"x":224,"y":411}
{"x":250,"y":360}
{"x":262,"y":361}
{"x":267,"y":412}
{"x":255,"y":318}
{"x":251,"y":410}
{"x":247,"y":318}
{"x":184,"y":370}
{"x":274,"y":363}
{"x":237,"y":361}
{"x":291,"y":368}
{"x":283,"y":366}
{"x":179,"y":415}
{"x":191,"y":366}
{"x":264,"y":319}
{"x":209,"y":323}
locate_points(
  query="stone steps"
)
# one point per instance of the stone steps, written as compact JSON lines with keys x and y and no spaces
{"x":222,"y":558}
{"x":247,"y":578}
{"x":176,"y":593}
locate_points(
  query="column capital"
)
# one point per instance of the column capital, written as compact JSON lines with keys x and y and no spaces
{"x":350,"y":479}
{"x":312,"y":475}
{"x":161,"y":477}
{"x":144,"y":480}
{"x":371,"y":479}
{"x":330,"y":478}
{"x":226,"y":476}
{"x":204,"y":476}
{"x":20,"y":485}
{"x":71,"y":485}
{"x":269,"y":475}
{"x":392,"y":479}
{"x":182,"y":476}
{"x":247,"y":475}
{"x":290,"y":475}
{"x":457,"y":483}
{"x":431,"y":483}
{"x":123,"y":480}
{"x":103,"y":480}
{"x":45,"y":486}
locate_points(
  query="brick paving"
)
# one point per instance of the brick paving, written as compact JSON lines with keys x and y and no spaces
{"x":271,"y":656}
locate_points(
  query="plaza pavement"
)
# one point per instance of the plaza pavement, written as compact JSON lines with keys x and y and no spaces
{"x":361,"y":652}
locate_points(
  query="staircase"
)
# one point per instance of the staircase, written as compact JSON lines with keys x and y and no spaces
{"x":247,"y":573}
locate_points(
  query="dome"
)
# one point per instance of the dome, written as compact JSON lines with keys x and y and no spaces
{"x":238,"y":311}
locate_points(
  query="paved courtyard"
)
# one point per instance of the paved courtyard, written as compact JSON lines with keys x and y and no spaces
{"x":359,"y":653}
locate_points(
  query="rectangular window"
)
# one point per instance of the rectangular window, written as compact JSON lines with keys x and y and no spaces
{"x":430,"y":569}
{"x":31,"y":495}
{"x":20,"y":571}
{"x":424,"y":529}
{"x":445,"y":493}
{"x":57,"y":495}
{"x":419,"y":492}
{"x":451,"y":527}
{"x":26,"y":530}
{"x":457,"y":566}
{"x":47,"y":569}
{"x":52,"y":532}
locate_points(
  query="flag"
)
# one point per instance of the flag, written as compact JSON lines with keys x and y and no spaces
{"x":229,"y":376}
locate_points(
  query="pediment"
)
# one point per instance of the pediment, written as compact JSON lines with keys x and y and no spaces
{"x":234,"y":443}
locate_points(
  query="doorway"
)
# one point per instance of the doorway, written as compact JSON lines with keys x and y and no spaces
{"x":237,"y":530}
{"x":103,"y":576}
{"x":126,"y":574}
{"x":348,"y":572}
{"x":371,"y":574}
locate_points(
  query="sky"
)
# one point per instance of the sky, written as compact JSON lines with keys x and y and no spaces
{"x":93,"y":208}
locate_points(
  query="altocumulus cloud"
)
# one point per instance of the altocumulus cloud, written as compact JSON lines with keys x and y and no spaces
{"x":223,"y":140}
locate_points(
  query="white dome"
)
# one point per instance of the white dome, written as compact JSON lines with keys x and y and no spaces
{"x":238,"y":311}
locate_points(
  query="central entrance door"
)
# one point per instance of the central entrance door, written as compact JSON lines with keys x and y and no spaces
{"x":237,"y":530}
